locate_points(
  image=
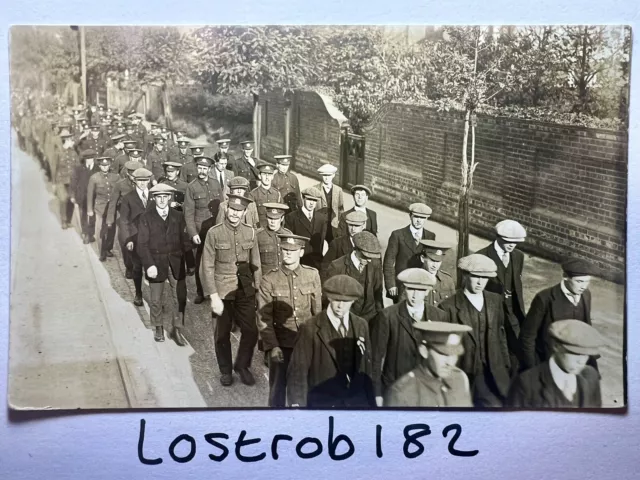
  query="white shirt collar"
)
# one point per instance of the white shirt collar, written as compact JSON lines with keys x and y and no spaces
{"x":146,"y":192}
{"x":476,"y":299}
{"x":89,"y":165}
{"x":574,"y":299}
{"x":416,"y":312}
{"x":327,"y":188}
{"x":416,"y":232}
{"x":307,"y":213}
{"x":355,"y":260}
{"x":498,"y":249}
{"x":335,"y":321}
{"x":163,"y":212}
{"x":566,"y":382}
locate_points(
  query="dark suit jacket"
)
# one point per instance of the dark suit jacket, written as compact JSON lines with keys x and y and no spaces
{"x":242,"y":168}
{"x":337,"y":248}
{"x":534,"y":339}
{"x":80,"y":182}
{"x":131,"y":209}
{"x":299,"y":224}
{"x":315,"y":379}
{"x":371,"y":226}
{"x":163,"y":243}
{"x":395,"y":343}
{"x":497,"y":351}
{"x":400,"y":250}
{"x":535,"y":388}
{"x":228,"y":175}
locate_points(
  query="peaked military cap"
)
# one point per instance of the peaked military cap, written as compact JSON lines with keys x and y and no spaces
{"x":153,"y":126}
{"x":416,"y":279}
{"x":238,"y":202}
{"x":159,"y":139}
{"x":247,"y":145}
{"x":88,"y":154}
{"x":511,"y":231}
{"x":364,"y":188}
{"x":197,"y":150}
{"x":129,"y":126}
{"x":445,"y":338}
{"x":355,"y":218}
{"x":118,"y":136}
{"x":135,"y":152}
{"x":142,"y":174}
{"x":478,"y":265}
{"x":434,"y":250}
{"x":63,"y":127}
{"x":133,"y":165}
{"x":343,"y":288}
{"x":64,"y":134}
{"x":183,"y":142}
{"x":312,"y":192}
{"x":238,"y":182}
{"x":283,"y":159}
{"x":204,"y":161}
{"x":266,"y":168}
{"x":367,"y":244}
{"x":223,"y":142}
{"x":420,"y":210}
{"x":129,"y":144}
{"x":576,"y":336}
{"x":275,"y":210}
{"x":327,"y":169}
{"x":161,"y":188}
{"x":172,"y":166}
{"x":104,"y":160}
{"x":95,"y":128}
{"x":289,"y":241}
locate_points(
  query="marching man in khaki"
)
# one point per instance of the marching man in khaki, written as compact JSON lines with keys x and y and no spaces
{"x":288,"y":297}
{"x":436,"y":381}
{"x":99,"y":195}
{"x":230,"y":273}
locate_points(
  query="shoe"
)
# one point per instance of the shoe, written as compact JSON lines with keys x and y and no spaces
{"x":226,"y":379}
{"x":191,"y":271}
{"x":137,"y":301}
{"x":65,"y":225}
{"x":85,"y":239}
{"x":128,"y":274}
{"x":92,"y":239}
{"x":159,"y":335}
{"x":110,"y":254}
{"x":103,"y":258}
{"x":178,"y":337}
{"x":246,"y":376}
{"x":198,"y":300}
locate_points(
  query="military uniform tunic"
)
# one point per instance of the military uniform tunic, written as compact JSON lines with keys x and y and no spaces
{"x":444,"y":288}
{"x":99,"y":195}
{"x":261,"y":196}
{"x":90,"y":143}
{"x":67,"y":163}
{"x":181,"y":187}
{"x":189,"y":171}
{"x":250,"y":216}
{"x":176,"y":155}
{"x":420,"y":388}
{"x":196,"y":204}
{"x":269,"y":246}
{"x":289,"y":187}
{"x":155,"y":159}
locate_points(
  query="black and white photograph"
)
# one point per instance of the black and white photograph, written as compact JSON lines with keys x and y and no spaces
{"x":318,"y":217}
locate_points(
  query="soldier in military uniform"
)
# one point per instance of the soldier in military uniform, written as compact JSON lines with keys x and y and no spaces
{"x":99,"y":195}
{"x":343,"y":245}
{"x":116,"y":150}
{"x":395,"y":343}
{"x":190,"y":169}
{"x":430,"y":259}
{"x":140,"y":129}
{"x":122,"y":187}
{"x":94,"y":141}
{"x":231,"y":273}
{"x":150,"y":137}
{"x":157,"y":156}
{"x":78,"y":189}
{"x":239,"y":186}
{"x":436,"y":381}
{"x":269,"y":236}
{"x":200,"y":192}
{"x":181,"y":154}
{"x":287,"y":183}
{"x":67,"y":163}
{"x":264,"y":193}
{"x":289,"y":295}
{"x":223,"y":149}
{"x":247,"y":166}
{"x":131,"y":135}
{"x":172,"y":178}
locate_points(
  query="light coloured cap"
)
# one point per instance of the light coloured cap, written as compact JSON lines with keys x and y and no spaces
{"x":327,"y":169}
{"x":312,"y":192}
{"x":133,"y":165}
{"x":416,"y":279}
{"x":576,"y":337}
{"x":142,"y":174}
{"x":367,"y":243}
{"x":343,"y":288}
{"x":289,"y":241}
{"x":420,"y":210}
{"x":161,"y":188}
{"x":511,"y":231}
{"x":445,"y":338}
{"x":355,"y":218}
{"x":478,"y":265}
{"x":361,"y":187}
{"x":434,"y":250}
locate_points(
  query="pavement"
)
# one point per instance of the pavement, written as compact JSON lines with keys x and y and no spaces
{"x":77,"y":341}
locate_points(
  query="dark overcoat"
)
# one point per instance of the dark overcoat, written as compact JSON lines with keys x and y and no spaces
{"x":131,"y":209}
{"x":316,"y":230}
{"x":400,"y":250}
{"x":371,"y":225}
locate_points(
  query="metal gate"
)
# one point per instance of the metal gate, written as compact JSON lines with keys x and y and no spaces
{"x":352,"y":161}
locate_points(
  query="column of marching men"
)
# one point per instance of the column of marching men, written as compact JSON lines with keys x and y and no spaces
{"x":305,"y":280}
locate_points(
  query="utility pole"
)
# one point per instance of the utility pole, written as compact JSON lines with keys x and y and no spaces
{"x":83,"y":65}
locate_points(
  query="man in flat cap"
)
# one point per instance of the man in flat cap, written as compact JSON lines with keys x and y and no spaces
{"x":394,"y":342}
{"x":343,"y":245}
{"x":78,"y":190}
{"x":220,"y":175}
{"x":230,"y":272}
{"x":239,"y":186}
{"x":570,"y":298}
{"x":181,"y":154}
{"x":269,"y":236}
{"x":564,"y":380}
{"x":264,"y":192}
{"x":361,"y":194}
{"x":99,"y":196}
{"x":122,"y":187}
{"x":67,"y":162}
{"x":312,"y":223}
{"x":331,"y":199}
{"x":200,"y":192}
{"x":132,"y":206}
{"x":162,"y":243}
{"x":363,"y":264}
{"x":289,"y":296}
{"x":157,"y":156}
{"x":404,"y":244}
{"x":430,"y":259}
{"x":508,"y":282}
{"x":287,"y":183}
{"x":436,"y":381}
{"x":246,"y":166}
{"x":330,"y":365}
{"x":486,"y":355}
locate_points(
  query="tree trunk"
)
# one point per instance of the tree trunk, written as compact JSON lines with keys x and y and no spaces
{"x":166,"y":107}
{"x":463,"y":201}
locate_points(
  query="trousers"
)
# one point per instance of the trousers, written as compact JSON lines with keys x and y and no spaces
{"x":64,"y":201}
{"x":104,"y":235}
{"x":278,"y":379}
{"x":167,"y":302}
{"x":242,"y":309}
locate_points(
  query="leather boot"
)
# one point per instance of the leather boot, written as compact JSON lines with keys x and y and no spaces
{"x":198,"y":300}
{"x":137,"y":301}
{"x":246,"y":376}
{"x":178,"y":337}
{"x":159,"y":335}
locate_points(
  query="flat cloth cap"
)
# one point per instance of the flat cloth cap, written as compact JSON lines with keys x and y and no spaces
{"x":104,"y":160}
{"x":367,"y":243}
{"x":238,"y":182}
{"x":289,"y":241}
{"x":161,"y":188}
{"x":266,"y":168}
{"x":445,"y":338}
{"x":197,"y":149}
{"x":204,"y":161}
{"x":416,"y":279}
{"x":312,"y":192}
{"x":343,"y":288}
{"x":576,"y":337}
{"x":355,"y":218}
{"x":275,"y":210}
{"x":434,"y":250}
{"x":420,"y":210}
{"x":283,"y":159}
{"x":478,"y":265}
{"x":327,"y":169}
{"x":142,"y":174}
{"x":238,"y":202}
{"x":172,"y":166}
{"x":133,"y":165}
{"x":88,"y":153}
{"x":511,"y":231}
{"x":364,"y":188}
{"x":577,"y":267}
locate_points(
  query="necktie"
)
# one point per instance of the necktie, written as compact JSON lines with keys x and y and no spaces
{"x":222,"y":180}
{"x":342,"y":330}
{"x":144,"y":199}
{"x":417,"y":238}
{"x":505,"y":259}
